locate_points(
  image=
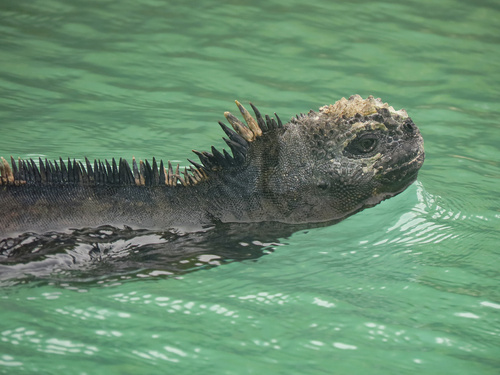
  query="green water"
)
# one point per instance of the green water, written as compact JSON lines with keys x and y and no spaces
{"x":408,"y":287}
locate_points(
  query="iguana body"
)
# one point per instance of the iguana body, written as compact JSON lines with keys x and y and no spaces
{"x":319,"y":167}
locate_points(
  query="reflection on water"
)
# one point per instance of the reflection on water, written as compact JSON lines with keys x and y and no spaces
{"x":90,"y":254}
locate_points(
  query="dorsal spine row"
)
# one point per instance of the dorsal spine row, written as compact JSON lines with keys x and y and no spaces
{"x":48,"y":172}
{"x":97,"y":173}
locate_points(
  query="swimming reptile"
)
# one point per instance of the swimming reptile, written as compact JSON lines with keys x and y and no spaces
{"x":319,"y":167}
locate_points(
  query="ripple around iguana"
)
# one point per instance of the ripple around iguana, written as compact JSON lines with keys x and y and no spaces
{"x":319,"y":167}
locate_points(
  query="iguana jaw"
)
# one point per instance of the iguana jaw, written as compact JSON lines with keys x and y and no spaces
{"x":395,"y":180}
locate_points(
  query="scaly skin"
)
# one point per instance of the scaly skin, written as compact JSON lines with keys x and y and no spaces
{"x":320,"y":167}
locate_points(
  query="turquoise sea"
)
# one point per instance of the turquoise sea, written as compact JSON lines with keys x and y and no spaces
{"x":411,"y":286}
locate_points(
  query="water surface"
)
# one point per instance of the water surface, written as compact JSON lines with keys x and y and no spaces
{"x":410,"y":286}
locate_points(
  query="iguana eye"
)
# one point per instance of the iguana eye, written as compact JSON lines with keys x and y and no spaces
{"x":362,"y":145}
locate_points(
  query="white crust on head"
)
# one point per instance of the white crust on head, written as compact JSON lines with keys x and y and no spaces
{"x":356,"y":104}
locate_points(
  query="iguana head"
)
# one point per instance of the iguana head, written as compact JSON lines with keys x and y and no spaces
{"x":326,"y":165}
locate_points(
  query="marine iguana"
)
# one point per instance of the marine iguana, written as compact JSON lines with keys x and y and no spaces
{"x":319,"y":167}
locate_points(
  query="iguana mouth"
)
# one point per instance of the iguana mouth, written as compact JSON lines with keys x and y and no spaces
{"x":397,"y":179}
{"x":403,"y":175}
{"x":410,"y":162}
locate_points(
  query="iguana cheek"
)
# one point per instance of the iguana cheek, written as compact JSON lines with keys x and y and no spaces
{"x":370,"y":164}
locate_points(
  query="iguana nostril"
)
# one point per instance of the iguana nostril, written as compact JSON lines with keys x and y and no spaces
{"x":409,"y":126}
